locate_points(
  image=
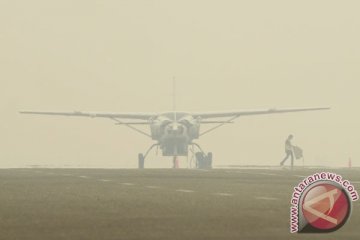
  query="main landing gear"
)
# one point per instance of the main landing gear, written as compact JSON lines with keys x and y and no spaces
{"x":202,"y":160}
{"x":141,"y":157}
{"x":141,"y":162}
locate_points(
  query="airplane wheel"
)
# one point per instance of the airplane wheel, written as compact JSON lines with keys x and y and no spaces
{"x":141,"y":161}
{"x":209,"y":159}
{"x":199,"y":159}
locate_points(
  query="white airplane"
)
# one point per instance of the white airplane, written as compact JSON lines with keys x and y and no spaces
{"x":175,"y":132}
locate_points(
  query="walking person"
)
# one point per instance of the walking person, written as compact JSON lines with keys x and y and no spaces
{"x":288,"y":151}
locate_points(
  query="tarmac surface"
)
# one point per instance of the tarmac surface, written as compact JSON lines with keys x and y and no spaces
{"x":156,"y":204}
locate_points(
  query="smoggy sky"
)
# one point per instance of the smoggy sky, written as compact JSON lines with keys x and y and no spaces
{"x":121,"y":56}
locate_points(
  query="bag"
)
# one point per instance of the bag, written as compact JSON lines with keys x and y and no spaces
{"x":298,"y":152}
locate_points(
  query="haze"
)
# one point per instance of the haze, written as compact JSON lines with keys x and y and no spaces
{"x":121,"y":56}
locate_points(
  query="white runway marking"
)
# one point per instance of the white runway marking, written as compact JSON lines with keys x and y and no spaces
{"x":234,"y":171}
{"x":269,"y":174}
{"x":104,"y":180}
{"x":254,"y":173}
{"x":266,"y":198}
{"x":127,"y":184}
{"x":83,"y":177}
{"x":153,"y":187}
{"x":224,"y":194}
{"x":300,"y":176}
{"x":355,"y":181}
{"x":185,"y":190}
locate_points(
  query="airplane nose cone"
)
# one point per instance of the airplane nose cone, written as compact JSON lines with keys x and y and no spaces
{"x":175,"y":129}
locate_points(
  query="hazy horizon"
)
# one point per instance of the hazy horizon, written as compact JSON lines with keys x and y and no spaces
{"x":121,"y":56}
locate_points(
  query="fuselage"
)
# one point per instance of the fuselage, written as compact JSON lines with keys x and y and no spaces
{"x":174,"y":131}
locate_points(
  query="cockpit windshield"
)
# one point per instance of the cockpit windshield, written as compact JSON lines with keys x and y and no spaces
{"x":171,"y":115}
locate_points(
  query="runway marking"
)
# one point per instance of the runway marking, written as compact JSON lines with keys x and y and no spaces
{"x":355,"y":181}
{"x":104,"y":180}
{"x":224,"y":194}
{"x":269,"y":174}
{"x":267,"y":198}
{"x":300,"y":176}
{"x":254,"y":173}
{"x":185,"y":190}
{"x":153,"y":187}
{"x":235,"y":171}
{"x":128,"y":184}
{"x":83,"y":177}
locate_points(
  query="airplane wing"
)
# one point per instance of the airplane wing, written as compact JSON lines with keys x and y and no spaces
{"x":232,"y":115}
{"x":240,"y":113}
{"x":139,"y":116}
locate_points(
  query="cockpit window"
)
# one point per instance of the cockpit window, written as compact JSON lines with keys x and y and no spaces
{"x":170,"y":115}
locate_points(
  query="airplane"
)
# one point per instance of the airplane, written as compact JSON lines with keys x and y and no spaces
{"x":175,"y":131}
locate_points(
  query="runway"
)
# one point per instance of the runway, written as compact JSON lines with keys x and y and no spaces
{"x":155,"y":204}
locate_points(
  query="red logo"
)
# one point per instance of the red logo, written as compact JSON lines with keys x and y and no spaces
{"x":325,"y":208}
